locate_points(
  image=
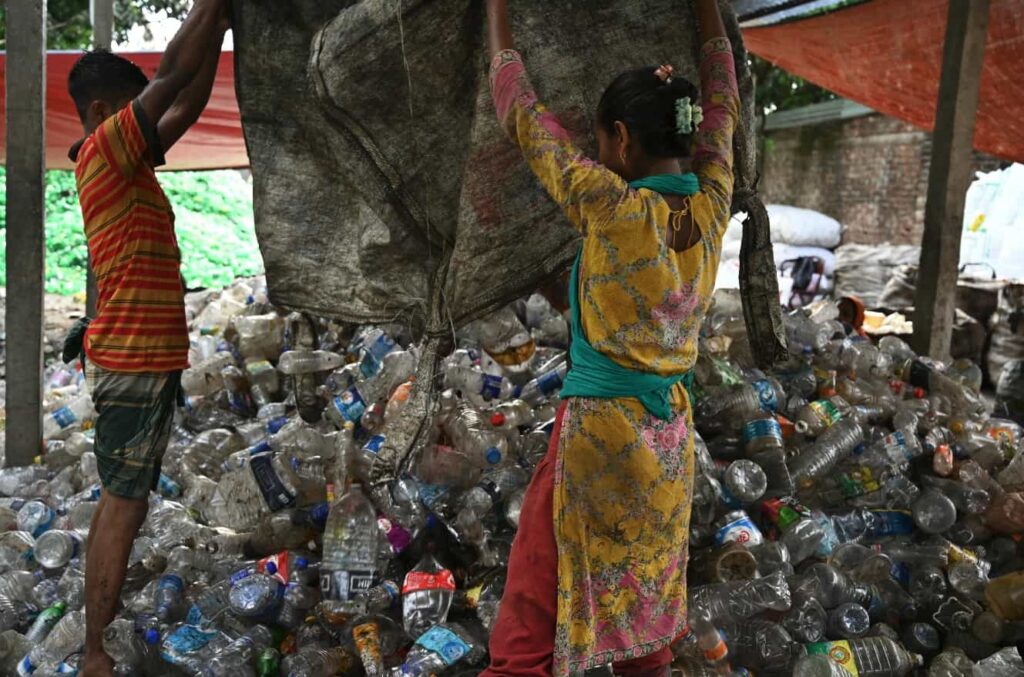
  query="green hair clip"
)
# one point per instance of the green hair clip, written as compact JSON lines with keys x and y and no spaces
{"x":688,"y":116}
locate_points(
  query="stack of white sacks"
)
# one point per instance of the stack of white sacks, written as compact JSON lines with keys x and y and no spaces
{"x":796,"y":233}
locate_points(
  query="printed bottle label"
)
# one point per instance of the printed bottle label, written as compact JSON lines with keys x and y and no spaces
{"x":491,"y":389}
{"x":345,"y":586}
{"x":765,"y":427}
{"x":416,"y":581}
{"x":275,"y":494}
{"x":445,"y":643}
{"x":741,"y":530}
{"x":64,"y":417}
{"x":839,"y":653}
{"x":766,"y":395}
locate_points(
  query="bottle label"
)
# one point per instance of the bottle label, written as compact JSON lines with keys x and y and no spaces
{"x":259,"y":367}
{"x":826,"y":412}
{"x":171,"y":582}
{"x":345,"y":586}
{"x":275,"y":566}
{"x":185,"y":640}
{"x":550,"y":382}
{"x":416,"y":581}
{"x":491,"y":389}
{"x":167,"y":487}
{"x":766,"y":395}
{"x":839,"y":653}
{"x":350,"y":405}
{"x":275,"y":494}
{"x":858,"y":482}
{"x":374,"y":356}
{"x":445,"y":643}
{"x":892,"y":523}
{"x":895,"y":445}
{"x":740,"y":530}
{"x":375,"y":444}
{"x":761,"y":428}
{"x":367,"y":640}
{"x":64,"y":417}
{"x":25,"y":667}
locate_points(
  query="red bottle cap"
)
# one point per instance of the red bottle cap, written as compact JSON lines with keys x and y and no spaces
{"x":498,"y":419}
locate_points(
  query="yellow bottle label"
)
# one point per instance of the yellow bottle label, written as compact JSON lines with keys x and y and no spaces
{"x":839,"y":653}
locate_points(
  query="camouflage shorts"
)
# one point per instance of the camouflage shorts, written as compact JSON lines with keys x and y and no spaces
{"x":133,"y":426}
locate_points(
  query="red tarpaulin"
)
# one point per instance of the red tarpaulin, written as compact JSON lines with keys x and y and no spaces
{"x":215,"y":142}
{"x":887,"y":54}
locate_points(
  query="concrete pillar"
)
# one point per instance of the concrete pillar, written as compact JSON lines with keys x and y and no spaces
{"x":950,"y":176}
{"x":26,"y":182}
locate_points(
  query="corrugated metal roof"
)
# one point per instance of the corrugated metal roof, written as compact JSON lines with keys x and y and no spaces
{"x":829,"y":111}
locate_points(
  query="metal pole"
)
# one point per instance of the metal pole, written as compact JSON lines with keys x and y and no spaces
{"x":950,"y":176}
{"x":101,"y":15}
{"x":26,"y":184}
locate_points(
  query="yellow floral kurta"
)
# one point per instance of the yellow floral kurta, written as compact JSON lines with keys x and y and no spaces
{"x":623,"y":479}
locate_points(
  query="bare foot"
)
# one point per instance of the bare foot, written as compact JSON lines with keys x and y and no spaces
{"x":97,"y":665}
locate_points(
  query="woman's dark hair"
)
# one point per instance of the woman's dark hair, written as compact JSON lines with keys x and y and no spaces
{"x":100,"y":75}
{"x":647,"y":106}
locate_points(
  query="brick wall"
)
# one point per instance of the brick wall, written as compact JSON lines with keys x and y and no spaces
{"x":870,"y":173}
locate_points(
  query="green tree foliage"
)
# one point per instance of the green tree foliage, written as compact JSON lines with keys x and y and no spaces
{"x":213,"y":222}
{"x":67,"y":25}
{"x":781,"y":90}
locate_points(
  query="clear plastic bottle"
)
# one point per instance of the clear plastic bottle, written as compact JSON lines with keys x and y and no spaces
{"x":762,"y":434}
{"x":545,"y":386}
{"x":833,"y":588}
{"x":871,"y":656}
{"x":237,"y":657}
{"x":512,"y":415}
{"x":848,"y":621}
{"x":206,"y":377}
{"x":426,"y":596}
{"x":14,"y":480}
{"x":806,"y":620}
{"x":922,"y":375}
{"x":896,"y":449}
{"x":298,"y":362}
{"x":473,"y":382}
{"x":838,"y":442}
{"x":36,"y":517}
{"x":67,"y":637}
{"x":380,"y":598}
{"x":319,"y":662}
{"x":745,"y":480}
{"x":475,"y":437}
{"x":45,"y":622}
{"x":934,"y":512}
{"x":75,"y":413}
{"x":13,"y":646}
{"x":256,"y":595}
{"x":351,"y":541}
{"x":506,"y":340}
{"x":124,"y":645}
{"x":818,"y":416}
{"x":169,"y":597}
{"x":741,"y":599}
{"x":818,"y":665}
{"x":441,"y":647}
{"x":967,"y":499}
{"x":56,"y":548}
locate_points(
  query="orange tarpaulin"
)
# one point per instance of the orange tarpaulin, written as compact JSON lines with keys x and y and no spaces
{"x":215,"y":142}
{"x":887,"y":54}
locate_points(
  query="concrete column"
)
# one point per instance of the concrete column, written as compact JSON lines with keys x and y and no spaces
{"x":950,"y":176}
{"x":26,"y":182}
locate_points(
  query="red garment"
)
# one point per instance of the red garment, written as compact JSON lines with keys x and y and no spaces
{"x":523,"y":640}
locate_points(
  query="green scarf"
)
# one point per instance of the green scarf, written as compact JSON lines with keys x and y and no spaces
{"x":594,"y":374}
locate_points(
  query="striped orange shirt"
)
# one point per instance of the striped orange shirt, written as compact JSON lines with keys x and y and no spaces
{"x":140,"y":322}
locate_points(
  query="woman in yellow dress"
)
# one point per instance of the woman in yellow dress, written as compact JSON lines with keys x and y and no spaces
{"x":597,"y":573}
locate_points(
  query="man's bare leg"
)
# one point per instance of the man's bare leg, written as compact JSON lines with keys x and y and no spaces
{"x":114,"y":526}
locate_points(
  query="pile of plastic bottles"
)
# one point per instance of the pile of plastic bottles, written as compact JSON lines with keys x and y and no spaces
{"x":854,"y":511}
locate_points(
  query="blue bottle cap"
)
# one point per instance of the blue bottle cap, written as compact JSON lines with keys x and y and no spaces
{"x":271,"y":568}
{"x":301,"y":563}
{"x":493,"y":456}
{"x":152,"y":636}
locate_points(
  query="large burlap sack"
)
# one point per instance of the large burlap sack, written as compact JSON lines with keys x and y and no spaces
{"x":384,"y":188}
{"x":1007,"y":331}
{"x":863,"y":270}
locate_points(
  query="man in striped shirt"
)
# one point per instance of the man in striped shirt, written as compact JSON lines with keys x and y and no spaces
{"x":137,"y":345}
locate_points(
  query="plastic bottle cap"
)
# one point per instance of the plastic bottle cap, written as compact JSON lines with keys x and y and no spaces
{"x":919,"y":393}
{"x":301,"y":563}
{"x":152,"y":636}
{"x":271,"y":568}
{"x":498,"y":419}
{"x":493,"y":456}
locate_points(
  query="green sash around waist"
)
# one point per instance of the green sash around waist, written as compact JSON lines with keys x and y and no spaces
{"x":594,"y":374}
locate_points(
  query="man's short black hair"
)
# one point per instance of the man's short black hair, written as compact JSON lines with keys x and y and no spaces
{"x":102,"y":76}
